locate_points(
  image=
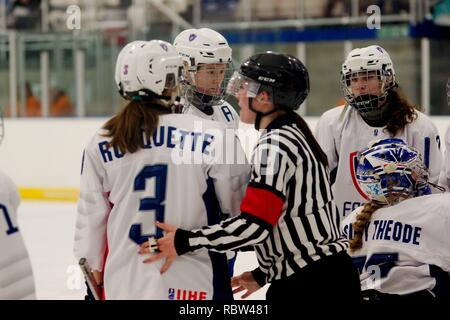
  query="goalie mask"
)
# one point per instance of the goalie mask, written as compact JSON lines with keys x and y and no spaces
{"x":390,"y":171}
{"x":367,"y":76}
{"x":151,"y":70}
{"x":207,"y":66}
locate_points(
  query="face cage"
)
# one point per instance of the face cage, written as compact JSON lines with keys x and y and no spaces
{"x":366,"y":103}
{"x":191,"y":93}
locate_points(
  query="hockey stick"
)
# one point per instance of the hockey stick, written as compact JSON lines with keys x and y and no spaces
{"x":90,"y":280}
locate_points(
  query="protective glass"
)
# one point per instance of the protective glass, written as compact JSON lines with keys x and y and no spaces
{"x":238,"y":82}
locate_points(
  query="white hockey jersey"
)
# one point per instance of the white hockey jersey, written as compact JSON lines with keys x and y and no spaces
{"x":445,"y":174}
{"x":223,"y":113}
{"x":403,"y":245}
{"x":341,"y":136}
{"x":16,"y":276}
{"x":183,"y":176}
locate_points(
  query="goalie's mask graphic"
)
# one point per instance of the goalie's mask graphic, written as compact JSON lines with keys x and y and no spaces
{"x":389,"y":171}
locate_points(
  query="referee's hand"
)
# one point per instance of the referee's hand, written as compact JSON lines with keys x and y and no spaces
{"x":245,"y":281}
{"x":165,"y":246}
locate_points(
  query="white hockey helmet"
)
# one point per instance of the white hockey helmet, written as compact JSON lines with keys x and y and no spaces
{"x":365,"y":62}
{"x":149,"y":69}
{"x":128,"y":49}
{"x":199,"y":47}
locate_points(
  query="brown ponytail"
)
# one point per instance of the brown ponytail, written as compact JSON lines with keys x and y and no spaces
{"x":401,"y":111}
{"x":312,"y":142}
{"x":360,"y":224}
{"x":126,"y":127}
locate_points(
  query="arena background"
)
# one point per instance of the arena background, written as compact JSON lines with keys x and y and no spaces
{"x":60,"y":55}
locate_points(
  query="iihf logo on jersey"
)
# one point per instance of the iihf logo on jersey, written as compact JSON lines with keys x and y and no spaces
{"x":171,"y":293}
{"x":183,"y":294}
{"x":164,"y":47}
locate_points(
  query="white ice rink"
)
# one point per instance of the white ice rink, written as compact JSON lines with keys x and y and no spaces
{"x":48,"y":230}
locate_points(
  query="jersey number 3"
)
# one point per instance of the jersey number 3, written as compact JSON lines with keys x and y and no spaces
{"x":11,"y":229}
{"x":156,"y":204}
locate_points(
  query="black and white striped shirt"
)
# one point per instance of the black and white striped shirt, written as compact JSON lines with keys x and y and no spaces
{"x":288,"y":212}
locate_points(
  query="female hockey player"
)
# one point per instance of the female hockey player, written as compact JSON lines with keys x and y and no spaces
{"x":16,"y":275}
{"x":376,"y":108}
{"x":399,"y":239}
{"x":144,"y":165}
{"x":288,"y":213}
{"x":207,"y":66}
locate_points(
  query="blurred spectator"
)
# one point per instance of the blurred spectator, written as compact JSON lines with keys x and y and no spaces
{"x":60,"y":105}
{"x":336,"y":8}
{"x":219,"y":10}
{"x":23,"y":14}
{"x":32,"y":104}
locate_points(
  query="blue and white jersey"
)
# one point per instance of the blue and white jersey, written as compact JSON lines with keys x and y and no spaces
{"x":403,"y":244}
{"x":223,"y":113}
{"x":170,"y":179}
{"x":342,"y":135}
{"x":16,"y":276}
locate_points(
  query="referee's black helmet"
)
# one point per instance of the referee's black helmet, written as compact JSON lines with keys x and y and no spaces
{"x":283,"y":75}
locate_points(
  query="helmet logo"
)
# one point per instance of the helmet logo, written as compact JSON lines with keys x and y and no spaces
{"x":125,"y":69}
{"x":266,"y":79}
{"x":164,"y":46}
{"x":192,"y":36}
{"x":379,"y":49}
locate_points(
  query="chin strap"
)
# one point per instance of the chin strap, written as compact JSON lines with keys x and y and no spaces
{"x":259,"y":115}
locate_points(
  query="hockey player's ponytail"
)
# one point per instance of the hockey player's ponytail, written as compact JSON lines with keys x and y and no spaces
{"x":128,"y":127}
{"x":360,"y":224}
{"x":401,"y":111}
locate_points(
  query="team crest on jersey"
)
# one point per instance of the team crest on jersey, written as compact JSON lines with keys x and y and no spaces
{"x":353,"y":164}
{"x":164,"y":47}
